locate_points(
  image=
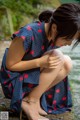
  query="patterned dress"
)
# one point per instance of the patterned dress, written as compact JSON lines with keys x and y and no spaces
{"x":17,"y":85}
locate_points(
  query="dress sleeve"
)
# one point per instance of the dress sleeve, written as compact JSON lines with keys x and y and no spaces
{"x":25,"y":35}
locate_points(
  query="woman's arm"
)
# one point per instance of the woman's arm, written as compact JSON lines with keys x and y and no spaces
{"x":15,"y":54}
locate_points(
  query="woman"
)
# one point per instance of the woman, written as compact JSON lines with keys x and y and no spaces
{"x":31,"y":67}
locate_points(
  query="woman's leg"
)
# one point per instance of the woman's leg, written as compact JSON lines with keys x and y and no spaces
{"x":63,"y":72}
{"x":32,"y":108}
{"x":61,"y":75}
{"x":47,"y":77}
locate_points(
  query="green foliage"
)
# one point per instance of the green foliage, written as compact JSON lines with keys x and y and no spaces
{"x":20,"y":11}
{"x":34,"y":2}
{"x":21,"y":6}
{"x":18,"y":8}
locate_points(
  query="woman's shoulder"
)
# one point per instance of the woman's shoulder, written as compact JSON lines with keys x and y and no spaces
{"x":36,"y":25}
{"x":31,"y":29}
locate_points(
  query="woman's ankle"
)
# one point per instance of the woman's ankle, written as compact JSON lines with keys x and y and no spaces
{"x":29,"y":99}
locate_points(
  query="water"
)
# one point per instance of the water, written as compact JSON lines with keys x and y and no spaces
{"x":74,"y":77}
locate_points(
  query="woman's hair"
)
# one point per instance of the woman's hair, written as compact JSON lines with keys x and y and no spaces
{"x":67,"y":19}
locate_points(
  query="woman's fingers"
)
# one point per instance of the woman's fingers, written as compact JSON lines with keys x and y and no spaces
{"x":54,"y":62}
{"x":54,"y":58}
{"x":55,"y":65}
{"x":50,"y":61}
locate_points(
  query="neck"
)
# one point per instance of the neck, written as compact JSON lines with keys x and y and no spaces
{"x":46,"y":31}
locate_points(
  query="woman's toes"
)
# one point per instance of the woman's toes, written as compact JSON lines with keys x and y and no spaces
{"x":43,"y":118}
{"x":42,"y":112}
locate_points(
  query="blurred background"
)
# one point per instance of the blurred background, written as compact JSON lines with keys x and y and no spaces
{"x":15,"y":14}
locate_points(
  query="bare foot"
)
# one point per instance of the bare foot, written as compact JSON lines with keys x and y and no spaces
{"x":30,"y":110}
{"x":41,"y":111}
{"x":42,"y":118}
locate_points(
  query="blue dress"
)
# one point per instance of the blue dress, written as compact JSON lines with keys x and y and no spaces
{"x":17,"y":85}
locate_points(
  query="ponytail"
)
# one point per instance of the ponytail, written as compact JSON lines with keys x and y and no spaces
{"x":45,"y":16}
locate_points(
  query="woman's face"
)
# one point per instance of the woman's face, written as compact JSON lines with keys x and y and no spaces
{"x":63,"y":41}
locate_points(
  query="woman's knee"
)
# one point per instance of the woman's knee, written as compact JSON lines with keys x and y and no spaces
{"x":66,"y":60}
{"x":58,"y":53}
{"x":67,"y":63}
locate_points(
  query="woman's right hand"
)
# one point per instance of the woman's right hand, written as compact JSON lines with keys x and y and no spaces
{"x":50,"y":61}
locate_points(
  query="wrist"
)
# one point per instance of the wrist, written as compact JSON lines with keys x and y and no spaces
{"x":38,"y":62}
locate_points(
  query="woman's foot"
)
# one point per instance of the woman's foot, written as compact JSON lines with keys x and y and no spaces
{"x":31,"y":110}
{"x":41,"y":111}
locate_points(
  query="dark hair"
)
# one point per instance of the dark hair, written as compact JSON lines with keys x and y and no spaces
{"x":67,"y":19}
